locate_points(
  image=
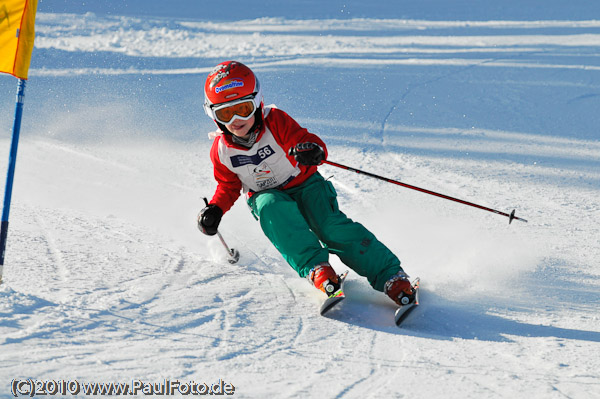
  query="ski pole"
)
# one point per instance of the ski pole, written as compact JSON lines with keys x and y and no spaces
{"x":232,"y":253}
{"x":510,"y":216}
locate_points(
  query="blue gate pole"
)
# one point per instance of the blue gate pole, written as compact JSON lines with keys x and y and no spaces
{"x":10,"y":174}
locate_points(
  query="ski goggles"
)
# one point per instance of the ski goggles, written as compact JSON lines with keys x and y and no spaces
{"x":226,"y":113}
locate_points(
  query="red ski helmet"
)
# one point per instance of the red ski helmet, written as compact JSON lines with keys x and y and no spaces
{"x":231,"y":81}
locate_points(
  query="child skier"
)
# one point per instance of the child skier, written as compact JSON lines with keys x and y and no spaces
{"x":267,"y":154}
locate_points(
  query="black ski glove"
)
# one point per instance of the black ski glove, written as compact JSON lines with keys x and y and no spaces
{"x":308,"y":153}
{"x":209,"y":219}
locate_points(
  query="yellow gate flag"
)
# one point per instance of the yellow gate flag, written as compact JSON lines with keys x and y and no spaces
{"x":17,"y":32}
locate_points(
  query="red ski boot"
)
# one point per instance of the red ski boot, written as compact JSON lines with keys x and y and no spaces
{"x":323,"y":277}
{"x":399,"y":289}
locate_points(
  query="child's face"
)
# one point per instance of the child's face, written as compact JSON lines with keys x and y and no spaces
{"x":240,"y":128}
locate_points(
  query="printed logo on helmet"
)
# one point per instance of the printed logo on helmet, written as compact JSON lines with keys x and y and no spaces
{"x":215,"y":81}
{"x":231,"y":84}
{"x":221,"y":71}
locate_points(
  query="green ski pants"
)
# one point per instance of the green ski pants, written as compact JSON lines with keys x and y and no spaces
{"x":305,"y":225}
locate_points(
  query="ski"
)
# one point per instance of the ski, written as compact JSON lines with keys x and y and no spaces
{"x":336,"y":297}
{"x":403,"y":311}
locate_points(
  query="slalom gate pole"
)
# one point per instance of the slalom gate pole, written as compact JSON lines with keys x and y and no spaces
{"x":10,"y":174}
{"x":510,"y":216}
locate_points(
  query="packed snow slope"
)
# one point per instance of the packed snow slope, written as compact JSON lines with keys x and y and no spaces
{"x":107,"y":278}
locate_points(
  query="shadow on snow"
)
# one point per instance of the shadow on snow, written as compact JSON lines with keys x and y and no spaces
{"x":440,"y":318}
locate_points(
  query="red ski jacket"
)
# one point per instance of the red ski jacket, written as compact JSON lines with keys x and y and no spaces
{"x":266,"y":165}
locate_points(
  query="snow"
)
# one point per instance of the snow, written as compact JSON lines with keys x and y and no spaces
{"x":107,"y":278}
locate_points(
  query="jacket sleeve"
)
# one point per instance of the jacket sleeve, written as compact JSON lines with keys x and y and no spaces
{"x":288,"y":133}
{"x":229,"y":185}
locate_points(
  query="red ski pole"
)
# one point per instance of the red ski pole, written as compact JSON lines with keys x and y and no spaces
{"x":510,"y":216}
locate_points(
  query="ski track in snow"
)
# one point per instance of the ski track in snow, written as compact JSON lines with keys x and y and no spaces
{"x":108,"y":279}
